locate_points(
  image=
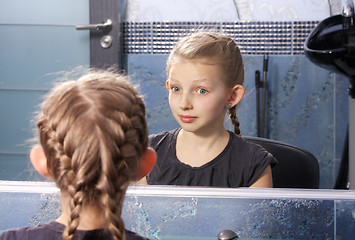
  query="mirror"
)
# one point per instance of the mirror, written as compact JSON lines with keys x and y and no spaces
{"x":305,"y":103}
{"x":306,"y":106}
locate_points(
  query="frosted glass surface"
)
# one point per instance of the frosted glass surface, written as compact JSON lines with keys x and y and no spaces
{"x":200,"y":213}
{"x":249,"y":218}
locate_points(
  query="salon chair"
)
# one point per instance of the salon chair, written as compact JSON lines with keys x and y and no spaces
{"x":296,"y":168}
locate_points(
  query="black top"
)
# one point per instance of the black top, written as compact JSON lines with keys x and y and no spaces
{"x":53,"y":231}
{"x":238,"y":165}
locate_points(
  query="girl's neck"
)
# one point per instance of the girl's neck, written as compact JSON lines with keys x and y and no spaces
{"x":203,"y":139}
{"x":198,"y":149}
{"x":91,"y":217}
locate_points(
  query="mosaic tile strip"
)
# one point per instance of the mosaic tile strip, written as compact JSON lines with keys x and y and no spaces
{"x":284,"y":38}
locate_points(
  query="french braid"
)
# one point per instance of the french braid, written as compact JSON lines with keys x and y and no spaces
{"x":93,"y":132}
{"x":233,"y":116}
{"x":213,"y":48}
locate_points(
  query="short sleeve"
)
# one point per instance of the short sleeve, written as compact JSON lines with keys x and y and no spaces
{"x":260,"y":161}
{"x":14,"y":234}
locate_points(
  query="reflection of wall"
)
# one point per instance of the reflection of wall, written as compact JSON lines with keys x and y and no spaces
{"x":307,"y":105}
{"x":229,"y":10}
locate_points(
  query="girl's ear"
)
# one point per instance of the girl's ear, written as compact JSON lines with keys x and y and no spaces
{"x":236,"y":95}
{"x":148,"y":159}
{"x":39,"y":161}
{"x":167,"y":85}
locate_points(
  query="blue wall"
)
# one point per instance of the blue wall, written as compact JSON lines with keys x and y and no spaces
{"x":37,"y":38}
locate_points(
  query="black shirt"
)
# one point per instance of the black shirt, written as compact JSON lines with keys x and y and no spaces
{"x":54,"y":230}
{"x":238,"y":165}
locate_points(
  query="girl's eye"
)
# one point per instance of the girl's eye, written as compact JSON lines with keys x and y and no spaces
{"x":175,"y":89}
{"x":202,"y":91}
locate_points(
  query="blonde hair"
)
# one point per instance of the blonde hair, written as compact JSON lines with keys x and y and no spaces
{"x":93,"y":132}
{"x":213,"y":48}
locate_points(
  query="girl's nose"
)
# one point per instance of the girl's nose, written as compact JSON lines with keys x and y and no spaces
{"x":185,"y":102}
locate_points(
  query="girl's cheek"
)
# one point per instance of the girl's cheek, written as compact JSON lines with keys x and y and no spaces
{"x":213,"y":104}
{"x":172,"y":100}
{"x":206,"y":101}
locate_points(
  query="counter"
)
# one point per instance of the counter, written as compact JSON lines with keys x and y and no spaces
{"x":169,"y":212}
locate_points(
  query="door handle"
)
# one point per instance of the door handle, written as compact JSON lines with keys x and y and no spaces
{"x":106,"y":26}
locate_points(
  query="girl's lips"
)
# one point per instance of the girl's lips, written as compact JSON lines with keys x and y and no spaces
{"x":187,"y":119}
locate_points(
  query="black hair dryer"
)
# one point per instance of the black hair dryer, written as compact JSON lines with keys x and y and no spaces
{"x":227,"y":235}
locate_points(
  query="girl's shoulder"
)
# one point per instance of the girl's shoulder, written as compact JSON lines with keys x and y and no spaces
{"x":241,"y":144}
{"x":155,"y":140}
{"x":53,"y":230}
{"x":43,"y":231}
{"x":249,"y":151}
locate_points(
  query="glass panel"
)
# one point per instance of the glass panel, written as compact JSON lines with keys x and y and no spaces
{"x":345,"y":219}
{"x":200,"y":213}
{"x":204,"y":218}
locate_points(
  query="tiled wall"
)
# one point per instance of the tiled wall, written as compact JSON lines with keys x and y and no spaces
{"x":269,"y":37}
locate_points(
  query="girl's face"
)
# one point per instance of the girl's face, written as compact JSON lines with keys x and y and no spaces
{"x":197,"y":96}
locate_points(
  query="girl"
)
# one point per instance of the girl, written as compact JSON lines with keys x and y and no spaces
{"x":205,"y":77}
{"x":93,"y":137}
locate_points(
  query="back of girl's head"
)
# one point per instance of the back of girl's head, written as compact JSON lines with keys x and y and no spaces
{"x":212,"y":48}
{"x":93,"y":132}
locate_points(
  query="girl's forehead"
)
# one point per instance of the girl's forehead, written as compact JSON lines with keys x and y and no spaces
{"x":205,"y":66}
{"x":196,"y":63}
{"x":194,"y":68}
{"x":196,"y":73}
{"x":198,"y":60}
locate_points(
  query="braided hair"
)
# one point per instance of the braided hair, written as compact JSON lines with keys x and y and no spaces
{"x":213,"y":48}
{"x":93,"y":132}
